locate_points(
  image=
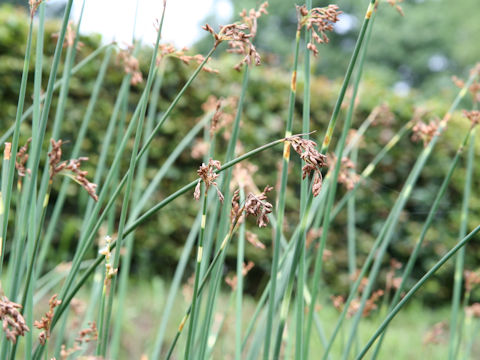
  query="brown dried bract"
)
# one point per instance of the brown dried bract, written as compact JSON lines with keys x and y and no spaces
{"x":13,"y":323}
{"x":319,"y":20}
{"x":71,"y":166}
{"x":22,"y":158}
{"x":313,"y":159}
{"x":208,"y":175}
{"x":46,"y":321}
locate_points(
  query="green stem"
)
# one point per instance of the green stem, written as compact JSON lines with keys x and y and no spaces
{"x":281,"y":201}
{"x":414,"y":289}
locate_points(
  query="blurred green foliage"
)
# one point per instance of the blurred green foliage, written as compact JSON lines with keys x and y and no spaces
{"x":159,"y":242}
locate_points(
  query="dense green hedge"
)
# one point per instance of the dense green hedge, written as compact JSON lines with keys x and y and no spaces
{"x":159,"y":241}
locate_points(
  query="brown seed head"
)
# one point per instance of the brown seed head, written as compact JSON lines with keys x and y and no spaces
{"x":70,"y":167}
{"x":130,"y":65}
{"x":46,"y":320}
{"x":394,"y":3}
{"x":347,"y":175}
{"x":208,"y":175}
{"x":13,"y":322}
{"x":307,"y":149}
{"x":473,"y":116}
{"x":319,"y":20}
{"x":22,"y":157}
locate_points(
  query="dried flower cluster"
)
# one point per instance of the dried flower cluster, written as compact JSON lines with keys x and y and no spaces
{"x":233,"y":280}
{"x":70,"y":36}
{"x":110,"y":271}
{"x":307,"y":149}
{"x":13,"y":322}
{"x":473,"y":116}
{"x":370,"y":304}
{"x":208,"y":175}
{"x":319,"y":21}
{"x":472,"y":279}
{"x":34,"y":4}
{"x":259,"y":207}
{"x":255,"y":205}
{"x":22,"y":158}
{"x":395,"y":3}
{"x":473,"y":310}
{"x":382,"y":115}
{"x":347,"y":175}
{"x":130,"y":65}
{"x":46,"y":320}
{"x":252,"y":238}
{"x":391,"y":281}
{"x":425,"y":132}
{"x":437,"y":334}
{"x":239,"y":41}
{"x":85,"y":336}
{"x":168,"y":50}
{"x":474,"y":88}
{"x":70,"y":167}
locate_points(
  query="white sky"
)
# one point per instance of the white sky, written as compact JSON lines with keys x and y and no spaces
{"x":114,"y":19}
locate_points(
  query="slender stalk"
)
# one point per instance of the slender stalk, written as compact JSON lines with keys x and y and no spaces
{"x":333,"y":120}
{"x":128,"y":188}
{"x":281,"y":200}
{"x":459,"y":263}
{"x":414,"y":289}
{"x":191,"y":328}
{"x":7,"y":190}
{"x":387,"y":229}
{"x":239,"y":290}
{"x":300,"y":351}
{"x":426,"y":226}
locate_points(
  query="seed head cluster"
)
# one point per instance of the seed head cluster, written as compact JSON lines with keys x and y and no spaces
{"x":425,"y":132}
{"x":13,"y":323}
{"x":22,"y":158}
{"x":46,"y":320}
{"x":131,"y":65}
{"x":208,"y":175}
{"x":255,"y":205}
{"x":71,"y":166}
{"x":70,"y":36}
{"x":473,"y":116}
{"x":240,"y":36}
{"x":347,"y":175}
{"x":168,"y":50}
{"x":307,"y":149}
{"x":319,"y":20}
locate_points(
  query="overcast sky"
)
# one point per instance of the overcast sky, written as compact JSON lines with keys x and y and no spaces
{"x":114,"y":19}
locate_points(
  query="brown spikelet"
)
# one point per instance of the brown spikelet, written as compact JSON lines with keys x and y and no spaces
{"x":314,"y":161}
{"x":46,"y":320}
{"x":12,"y":320}
{"x":208,"y":175}
{"x":319,"y":20}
